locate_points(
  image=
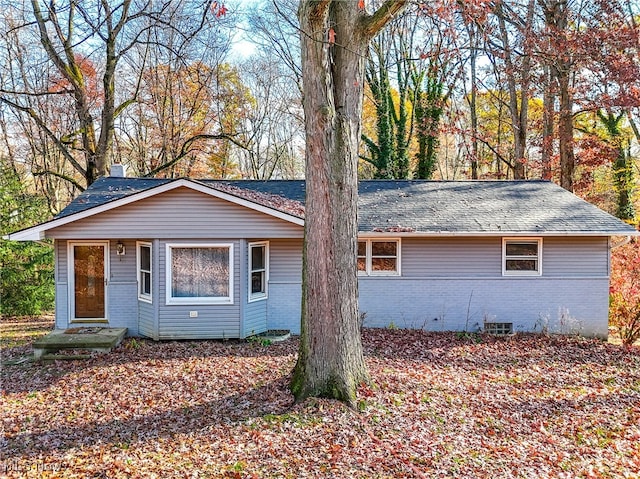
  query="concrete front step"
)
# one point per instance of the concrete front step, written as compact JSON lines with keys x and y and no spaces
{"x":99,"y":340}
{"x":64,"y":357}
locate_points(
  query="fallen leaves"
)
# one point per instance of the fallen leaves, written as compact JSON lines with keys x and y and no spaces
{"x":276,"y":202}
{"x":439,"y":405}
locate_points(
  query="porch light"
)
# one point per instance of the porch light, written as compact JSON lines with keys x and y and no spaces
{"x":120,"y":250}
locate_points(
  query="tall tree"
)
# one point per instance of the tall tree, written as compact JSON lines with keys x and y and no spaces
{"x":72,"y":33}
{"x":334,"y":37}
{"x":561,"y":59}
{"x":391,"y":52}
{"x":433,"y":79}
{"x":518,"y":90}
{"x":272,"y":133}
{"x":622,"y":164}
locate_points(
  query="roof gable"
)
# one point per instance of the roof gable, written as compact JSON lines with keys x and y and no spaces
{"x":108,"y":193}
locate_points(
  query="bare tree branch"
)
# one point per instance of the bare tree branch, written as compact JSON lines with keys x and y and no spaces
{"x":61,"y":176}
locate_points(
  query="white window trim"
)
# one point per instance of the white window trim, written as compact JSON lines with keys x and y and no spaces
{"x":147,"y":298}
{"x":259,"y":296}
{"x":169,"y":300}
{"x":369,"y":271}
{"x":537,"y":240}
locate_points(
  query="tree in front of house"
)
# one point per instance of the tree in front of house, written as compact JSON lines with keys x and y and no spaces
{"x":334,"y":37}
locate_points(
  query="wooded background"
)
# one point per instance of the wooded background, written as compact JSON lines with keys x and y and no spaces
{"x":454,"y":90}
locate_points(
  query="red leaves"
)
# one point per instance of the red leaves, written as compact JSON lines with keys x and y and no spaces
{"x":440,"y":405}
{"x":624,"y":312}
{"x":218,"y":9}
{"x":277,"y":202}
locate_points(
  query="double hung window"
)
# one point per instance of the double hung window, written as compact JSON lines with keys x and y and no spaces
{"x":258,"y":270}
{"x":144,"y":271}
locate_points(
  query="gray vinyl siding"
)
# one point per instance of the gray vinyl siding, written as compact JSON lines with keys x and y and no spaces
{"x":255,"y":318}
{"x":457,"y":284}
{"x":61,"y":261}
{"x":285,"y":285}
{"x":447,"y":257}
{"x":146,"y":313}
{"x":122,"y":288}
{"x":285,"y":261}
{"x":178,"y":214}
{"x":62,"y":298}
{"x":482,"y":257}
{"x":214,"y":320}
{"x":579,"y":257}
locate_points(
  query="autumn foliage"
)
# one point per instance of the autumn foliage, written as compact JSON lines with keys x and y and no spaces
{"x":624,"y":311}
{"x":441,"y":405}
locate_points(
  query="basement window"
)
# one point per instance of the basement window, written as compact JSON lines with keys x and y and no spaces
{"x":499,"y":329}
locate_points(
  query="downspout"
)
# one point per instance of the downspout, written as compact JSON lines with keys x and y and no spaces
{"x":619,"y":243}
{"x":614,"y":245}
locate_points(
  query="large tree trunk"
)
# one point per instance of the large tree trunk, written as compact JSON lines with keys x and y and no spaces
{"x":335,"y":36}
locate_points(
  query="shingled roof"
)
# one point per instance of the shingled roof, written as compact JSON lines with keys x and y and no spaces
{"x":410,"y":206}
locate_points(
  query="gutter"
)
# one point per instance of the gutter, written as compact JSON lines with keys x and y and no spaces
{"x":621,"y":242}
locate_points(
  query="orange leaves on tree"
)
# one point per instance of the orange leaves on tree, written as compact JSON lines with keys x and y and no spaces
{"x":84,"y":74}
{"x":624,"y":312}
{"x":219,"y":9}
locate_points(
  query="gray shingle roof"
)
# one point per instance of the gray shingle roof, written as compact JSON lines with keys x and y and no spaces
{"x":427,"y":207}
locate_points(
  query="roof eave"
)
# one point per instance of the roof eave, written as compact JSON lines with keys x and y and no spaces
{"x":447,"y":234}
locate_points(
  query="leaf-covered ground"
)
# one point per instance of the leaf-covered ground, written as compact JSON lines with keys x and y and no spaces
{"x":440,"y":406}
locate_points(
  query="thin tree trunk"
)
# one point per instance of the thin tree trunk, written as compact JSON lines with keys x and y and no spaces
{"x":547,"y":123}
{"x":473,"y":101}
{"x":517,"y":107}
{"x":565,"y":131}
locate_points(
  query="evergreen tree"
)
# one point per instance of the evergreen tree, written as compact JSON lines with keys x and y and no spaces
{"x":26,"y":269}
